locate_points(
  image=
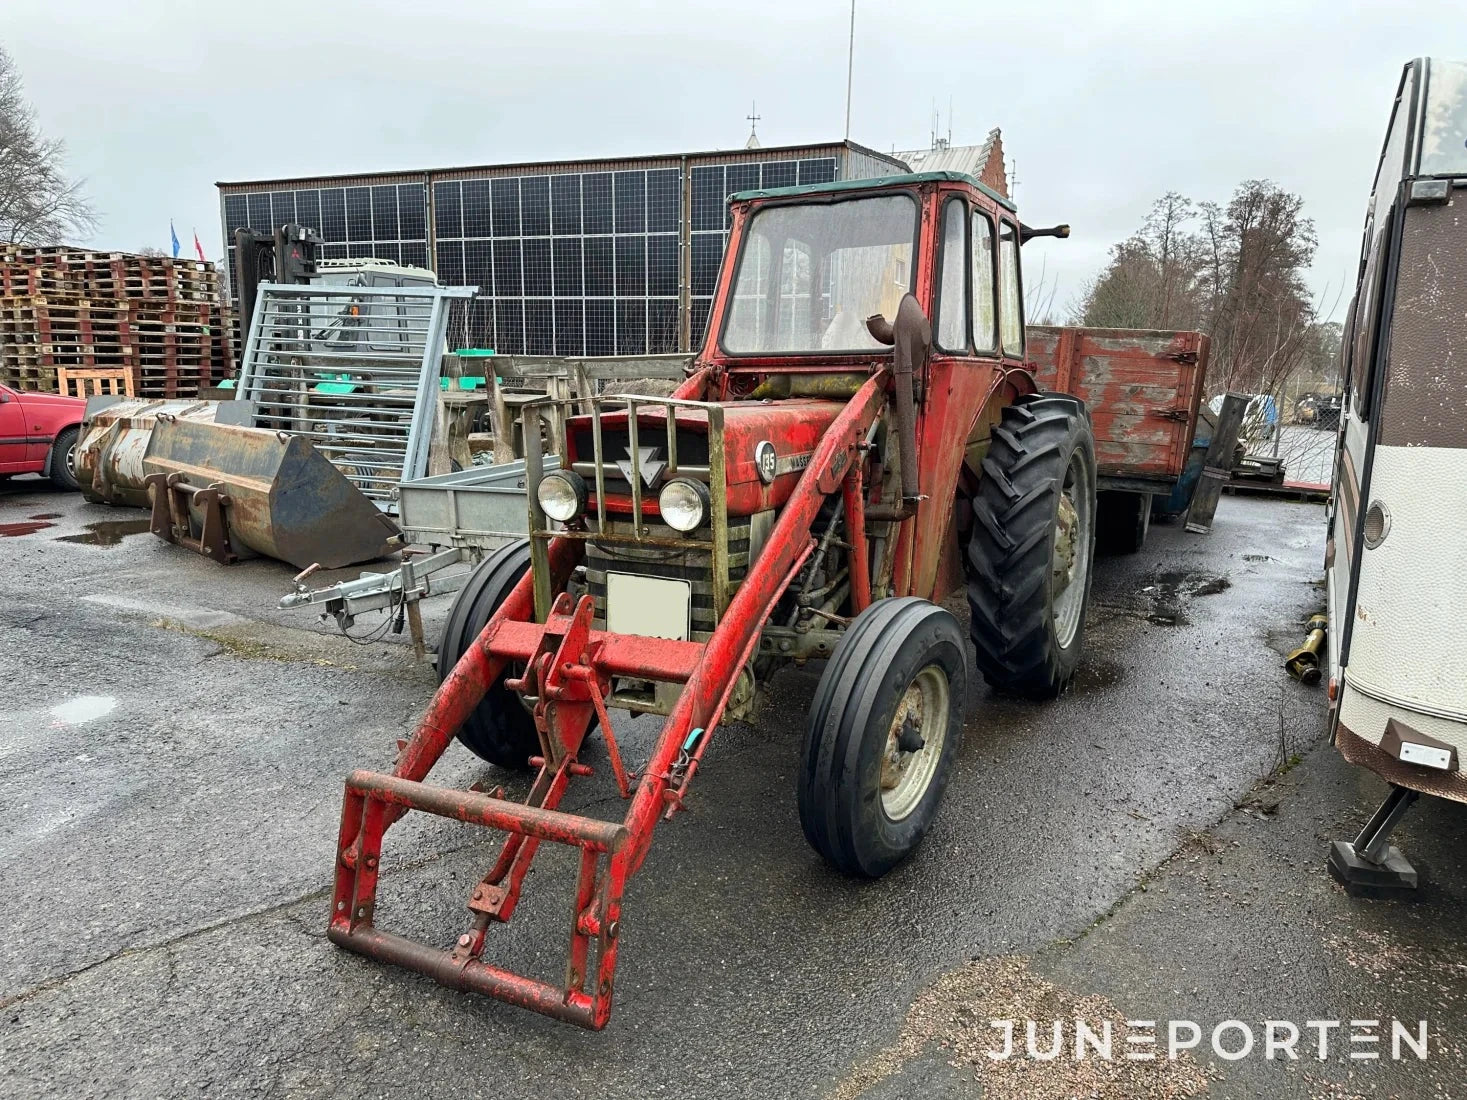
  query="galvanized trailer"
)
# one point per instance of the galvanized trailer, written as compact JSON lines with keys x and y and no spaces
{"x":461,"y":516}
{"x":458,"y":517}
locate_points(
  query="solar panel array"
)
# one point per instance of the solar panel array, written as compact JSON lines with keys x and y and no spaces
{"x":711,"y":186}
{"x":576,"y":263}
{"x":568,"y":263}
{"x":385,"y":222}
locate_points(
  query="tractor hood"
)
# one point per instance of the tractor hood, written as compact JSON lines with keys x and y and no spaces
{"x":790,"y":429}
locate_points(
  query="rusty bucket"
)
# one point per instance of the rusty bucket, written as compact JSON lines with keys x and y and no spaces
{"x":109,"y":456}
{"x":232,"y":492}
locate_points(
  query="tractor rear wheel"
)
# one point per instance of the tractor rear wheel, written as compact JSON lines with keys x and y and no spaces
{"x":500,"y":729}
{"x":1032,"y":544}
{"x":884,"y":728}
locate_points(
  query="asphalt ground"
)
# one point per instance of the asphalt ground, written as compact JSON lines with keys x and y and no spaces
{"x":1151,"y":846}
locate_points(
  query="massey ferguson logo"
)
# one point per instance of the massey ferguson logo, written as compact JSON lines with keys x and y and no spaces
{"x":649,"y":463}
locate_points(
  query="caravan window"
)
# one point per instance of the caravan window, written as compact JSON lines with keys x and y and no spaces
{"x":1375,"y":250}
{"x":1444,"y":126}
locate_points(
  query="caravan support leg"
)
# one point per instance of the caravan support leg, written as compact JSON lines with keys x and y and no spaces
{"x":1372,"y":867}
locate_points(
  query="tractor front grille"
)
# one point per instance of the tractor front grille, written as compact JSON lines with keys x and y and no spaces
{"x":693,"y":564}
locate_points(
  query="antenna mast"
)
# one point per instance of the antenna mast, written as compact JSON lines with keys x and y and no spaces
{"x":850,"y":68}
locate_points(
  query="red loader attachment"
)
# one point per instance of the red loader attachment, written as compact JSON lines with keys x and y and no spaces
{"x":569,"y":668}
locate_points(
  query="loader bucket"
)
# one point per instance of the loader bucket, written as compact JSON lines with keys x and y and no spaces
{"x":232,"y":492}
{"x":109,"y":456}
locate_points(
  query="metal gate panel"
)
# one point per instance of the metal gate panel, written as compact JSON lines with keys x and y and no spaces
{"x":355,"y":370}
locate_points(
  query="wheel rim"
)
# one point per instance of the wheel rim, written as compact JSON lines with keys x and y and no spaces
{"x":907,"y":768}
{"x":71,"y":460}
{"x":1071,"y":559}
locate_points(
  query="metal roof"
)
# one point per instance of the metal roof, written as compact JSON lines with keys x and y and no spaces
{"x":549,"y":167}
{"x":968,"y":159}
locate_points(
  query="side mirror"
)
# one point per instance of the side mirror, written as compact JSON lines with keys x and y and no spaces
{"x":1027,"y":231}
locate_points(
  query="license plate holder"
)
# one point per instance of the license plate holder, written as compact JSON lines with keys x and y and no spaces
{"x":652,"y":607}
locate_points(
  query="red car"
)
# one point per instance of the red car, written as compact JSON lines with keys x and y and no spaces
{"x":38,"y":434}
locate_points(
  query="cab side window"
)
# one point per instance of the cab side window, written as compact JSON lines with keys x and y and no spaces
{"x":1011,"y":315}
{"x":985,"y":315}
{"x":952,"y":286}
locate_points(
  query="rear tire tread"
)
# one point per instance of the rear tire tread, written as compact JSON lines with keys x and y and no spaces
{"x":1009,"y":554}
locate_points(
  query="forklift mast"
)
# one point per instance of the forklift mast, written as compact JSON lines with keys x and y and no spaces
{"x":286,"y":256}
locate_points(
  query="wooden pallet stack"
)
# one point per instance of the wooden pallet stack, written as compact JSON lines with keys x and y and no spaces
{"x":154,"y":322}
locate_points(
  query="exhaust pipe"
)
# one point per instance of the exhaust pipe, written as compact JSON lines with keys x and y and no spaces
{"x":910,"y":338}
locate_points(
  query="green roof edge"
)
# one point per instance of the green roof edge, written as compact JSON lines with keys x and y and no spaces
{"x":878,"y":181}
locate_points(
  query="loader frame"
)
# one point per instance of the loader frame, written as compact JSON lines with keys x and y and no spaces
{"x":569,"y":668}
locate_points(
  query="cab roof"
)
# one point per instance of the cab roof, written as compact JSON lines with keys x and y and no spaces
{"x":878,"y":181}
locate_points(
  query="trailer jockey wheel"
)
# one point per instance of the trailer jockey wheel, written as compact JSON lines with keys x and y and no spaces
{"x":1032,"y":544}
{"x":500,"y":729}
{"x":884,"y":727}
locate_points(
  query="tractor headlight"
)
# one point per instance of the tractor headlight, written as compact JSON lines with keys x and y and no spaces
{"x":683,"y":503}
{"x":562,"y":495}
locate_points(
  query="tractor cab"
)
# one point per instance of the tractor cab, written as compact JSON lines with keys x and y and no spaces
{"x":812,"y":264}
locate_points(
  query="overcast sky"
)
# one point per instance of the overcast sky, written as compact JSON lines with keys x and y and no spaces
{"x":1104,"y":106}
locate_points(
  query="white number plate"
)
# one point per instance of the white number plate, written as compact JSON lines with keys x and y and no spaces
{"x":654,"y":607}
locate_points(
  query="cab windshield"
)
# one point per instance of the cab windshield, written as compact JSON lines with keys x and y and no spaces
{"x":809,"y":275}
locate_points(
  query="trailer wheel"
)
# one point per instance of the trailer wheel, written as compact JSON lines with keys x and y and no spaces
{"x":884,"y":727}
{"x":1030,"y":551}
{"x":1122,"y":521}
{"x":500,"y":729}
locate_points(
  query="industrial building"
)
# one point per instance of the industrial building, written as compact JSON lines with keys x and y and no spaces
{"x":594,"y":257}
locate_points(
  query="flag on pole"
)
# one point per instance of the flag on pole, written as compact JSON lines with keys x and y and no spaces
{"x":198,"y":247}
{"x":174,"y":234}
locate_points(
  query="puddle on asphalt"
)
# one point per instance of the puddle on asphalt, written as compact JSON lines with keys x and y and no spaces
{"x":25,"y":527}
{"x":84,"y":708}
{"x":108,"y":532}
{"x":1169,"y":592}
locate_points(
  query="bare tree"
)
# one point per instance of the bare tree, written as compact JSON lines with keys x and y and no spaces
{"x":39,"y":204}
{"x":1236,"y":272}
{"x":1039,"y":297}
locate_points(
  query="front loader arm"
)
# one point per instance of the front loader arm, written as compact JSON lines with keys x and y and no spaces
{"x":701,"y":704}
{"x":569,"y":670}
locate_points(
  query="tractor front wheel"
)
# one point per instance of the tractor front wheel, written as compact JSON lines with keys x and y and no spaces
{"x":500,"y":729}
{"x":884,"y":729}
{"x":1032,"y":544}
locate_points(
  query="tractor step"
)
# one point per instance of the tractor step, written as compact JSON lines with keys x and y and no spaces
{"x":367,"y":813}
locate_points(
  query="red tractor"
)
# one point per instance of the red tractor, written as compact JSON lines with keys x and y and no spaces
{"x":858,"y":440}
